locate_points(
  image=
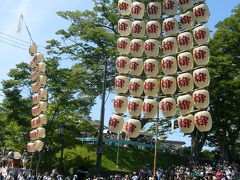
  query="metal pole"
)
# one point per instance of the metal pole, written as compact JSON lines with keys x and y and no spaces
{"x":100,"y":136}
{"x":62,"y":169}
{"x":118,"y":150}
{"x":155,"y":149}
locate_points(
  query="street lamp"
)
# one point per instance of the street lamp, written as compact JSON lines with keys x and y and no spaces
{"x":61,"y":135}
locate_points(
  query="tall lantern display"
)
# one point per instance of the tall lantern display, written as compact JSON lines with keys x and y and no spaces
{"x":162,"y":57}
{"x":39,"y":100}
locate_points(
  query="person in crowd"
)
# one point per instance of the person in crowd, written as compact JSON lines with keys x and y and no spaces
{"x":24,"y":159}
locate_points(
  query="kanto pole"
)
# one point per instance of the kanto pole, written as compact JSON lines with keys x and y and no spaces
{"x":100,"y":136}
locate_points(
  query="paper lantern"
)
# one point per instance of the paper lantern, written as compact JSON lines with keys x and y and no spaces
{"x":124,"y":7}
{"x":38,"y":57}
{"x":185,"y":104}
{"x":169,"y":46}
{"x":201,"y":35}
{"x":185,"y":82}
{"x":185,"y":41}
{"x":124,"y":27}
{"x":203,"y":121}
{"x":135,"y":107}
{"x":168,"y":85}
{"x":151,"y":47}
{"x":39,"y":121}
{"x":168,"y":107}
{"x":136,"y":47}
{"x":201,"y":99}
{"x":136,"y":66}
{"x":38,"y":145}
{"x":136,"y":87}
{"x":123,"y":46}
{"x":132,"y":128}
{"x":186,"y":124}
{"x":185,"y":61}
{"x":201,"y":77}
{"x":138,"y":29}
{"x":170,"y":7}
{"x":30,"y":147}
{"x":17,"y":155}
{"x":120,"y":104}
{"x":170,"y":26}
{"x":122,"y":64}
{"x":201,"y":13}
{"x":33,"y":135}
{"x":149,"y":108}
{"x":186,"y":4}
{"x":201,"y":55}
{"x":169,"y":65}
{"x":41,"y":82}
{"x":151,"y":67}
{"x":41,"y":132}
{"x":41,"y":107}
{"x":41,"y":95}
{"x":115,"y":124}
{"x":121,"y":84}
{"x":33,"y":49}
{"x":137,"y":10}
{"x":41,"y":68}
{"x":151,"y":87}
{"x":187,"y":20}
{"x":154,"y":10}
{"x":153,"y":29}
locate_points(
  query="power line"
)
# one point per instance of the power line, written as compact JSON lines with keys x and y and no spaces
{"x":13,"y":45}
{"x":13,"y":41}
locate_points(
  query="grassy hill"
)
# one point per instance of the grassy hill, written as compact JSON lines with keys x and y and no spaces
{"x":130,"y":159}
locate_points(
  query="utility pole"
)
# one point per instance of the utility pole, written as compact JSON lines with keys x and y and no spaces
{"x":100,"y":136}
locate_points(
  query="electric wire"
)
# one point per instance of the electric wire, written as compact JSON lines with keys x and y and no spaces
{"x":13,"y":45}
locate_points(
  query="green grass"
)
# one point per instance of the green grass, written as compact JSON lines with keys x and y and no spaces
{"x":130,"y":159}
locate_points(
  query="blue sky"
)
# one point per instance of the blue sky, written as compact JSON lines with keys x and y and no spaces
{"x":43,"y":22}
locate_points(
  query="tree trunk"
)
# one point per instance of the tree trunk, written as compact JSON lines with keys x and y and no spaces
{"x":198,"y":140}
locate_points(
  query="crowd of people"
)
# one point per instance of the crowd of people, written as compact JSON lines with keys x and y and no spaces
{"x":206,"y":172}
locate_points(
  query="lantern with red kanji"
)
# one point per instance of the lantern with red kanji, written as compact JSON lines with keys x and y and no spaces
{"x":185,"y":41}
{"x":38,"y":145}
{"x":185,"y":104}
{"x":185,"y":61}
{"x":124,"y":7}
{"x":41,"y":107}
{"x":138,"y":29}
{"x":122,"y":64}
{"x":115,"y":124}
{"x":38,"y":57}
{"x":120,"y":104}
{"x":40,"y":69}
{"x":201,"y":55}
{"x":132,"y":128}
{"x":170,"y":26}
{"x":41,"y":82}
{"x":121,"y":84}
{"x":186,"y":124}
{"x":124,"y":27}
{"x":168,"y":85}
{"x":169,"y":65}
{"x":149,"y":108}
{"x":136,"y":66}
{"x":186,"y":4}
{"x":168,"y":107}
{"x":39,"y":121}
{"x":151,"y":67}
{"x":201,"y":77}
{"x":123,"y":45}
{"x":201,"y":35}
{"x":185,"y":82}
{"x":151,"y":87}
{"x":170,"y":7}
{"x":201,"y":99}
{"x":136,"y":87}
{"x":153,"y":29}
{"x":154,"y":10}
{"x":136,"y":47}
{"x":169,"y":46}
{"x":137,"y":10}
{"x":41,"y":132}
{"x":32,"y":49}
{"x":30,"y":147}
{"x":135,"y":107}
{"x":187,"y":20}
{"x":201,"y":13}
{"x":151,"y":47}
{"x":203,"y":121}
